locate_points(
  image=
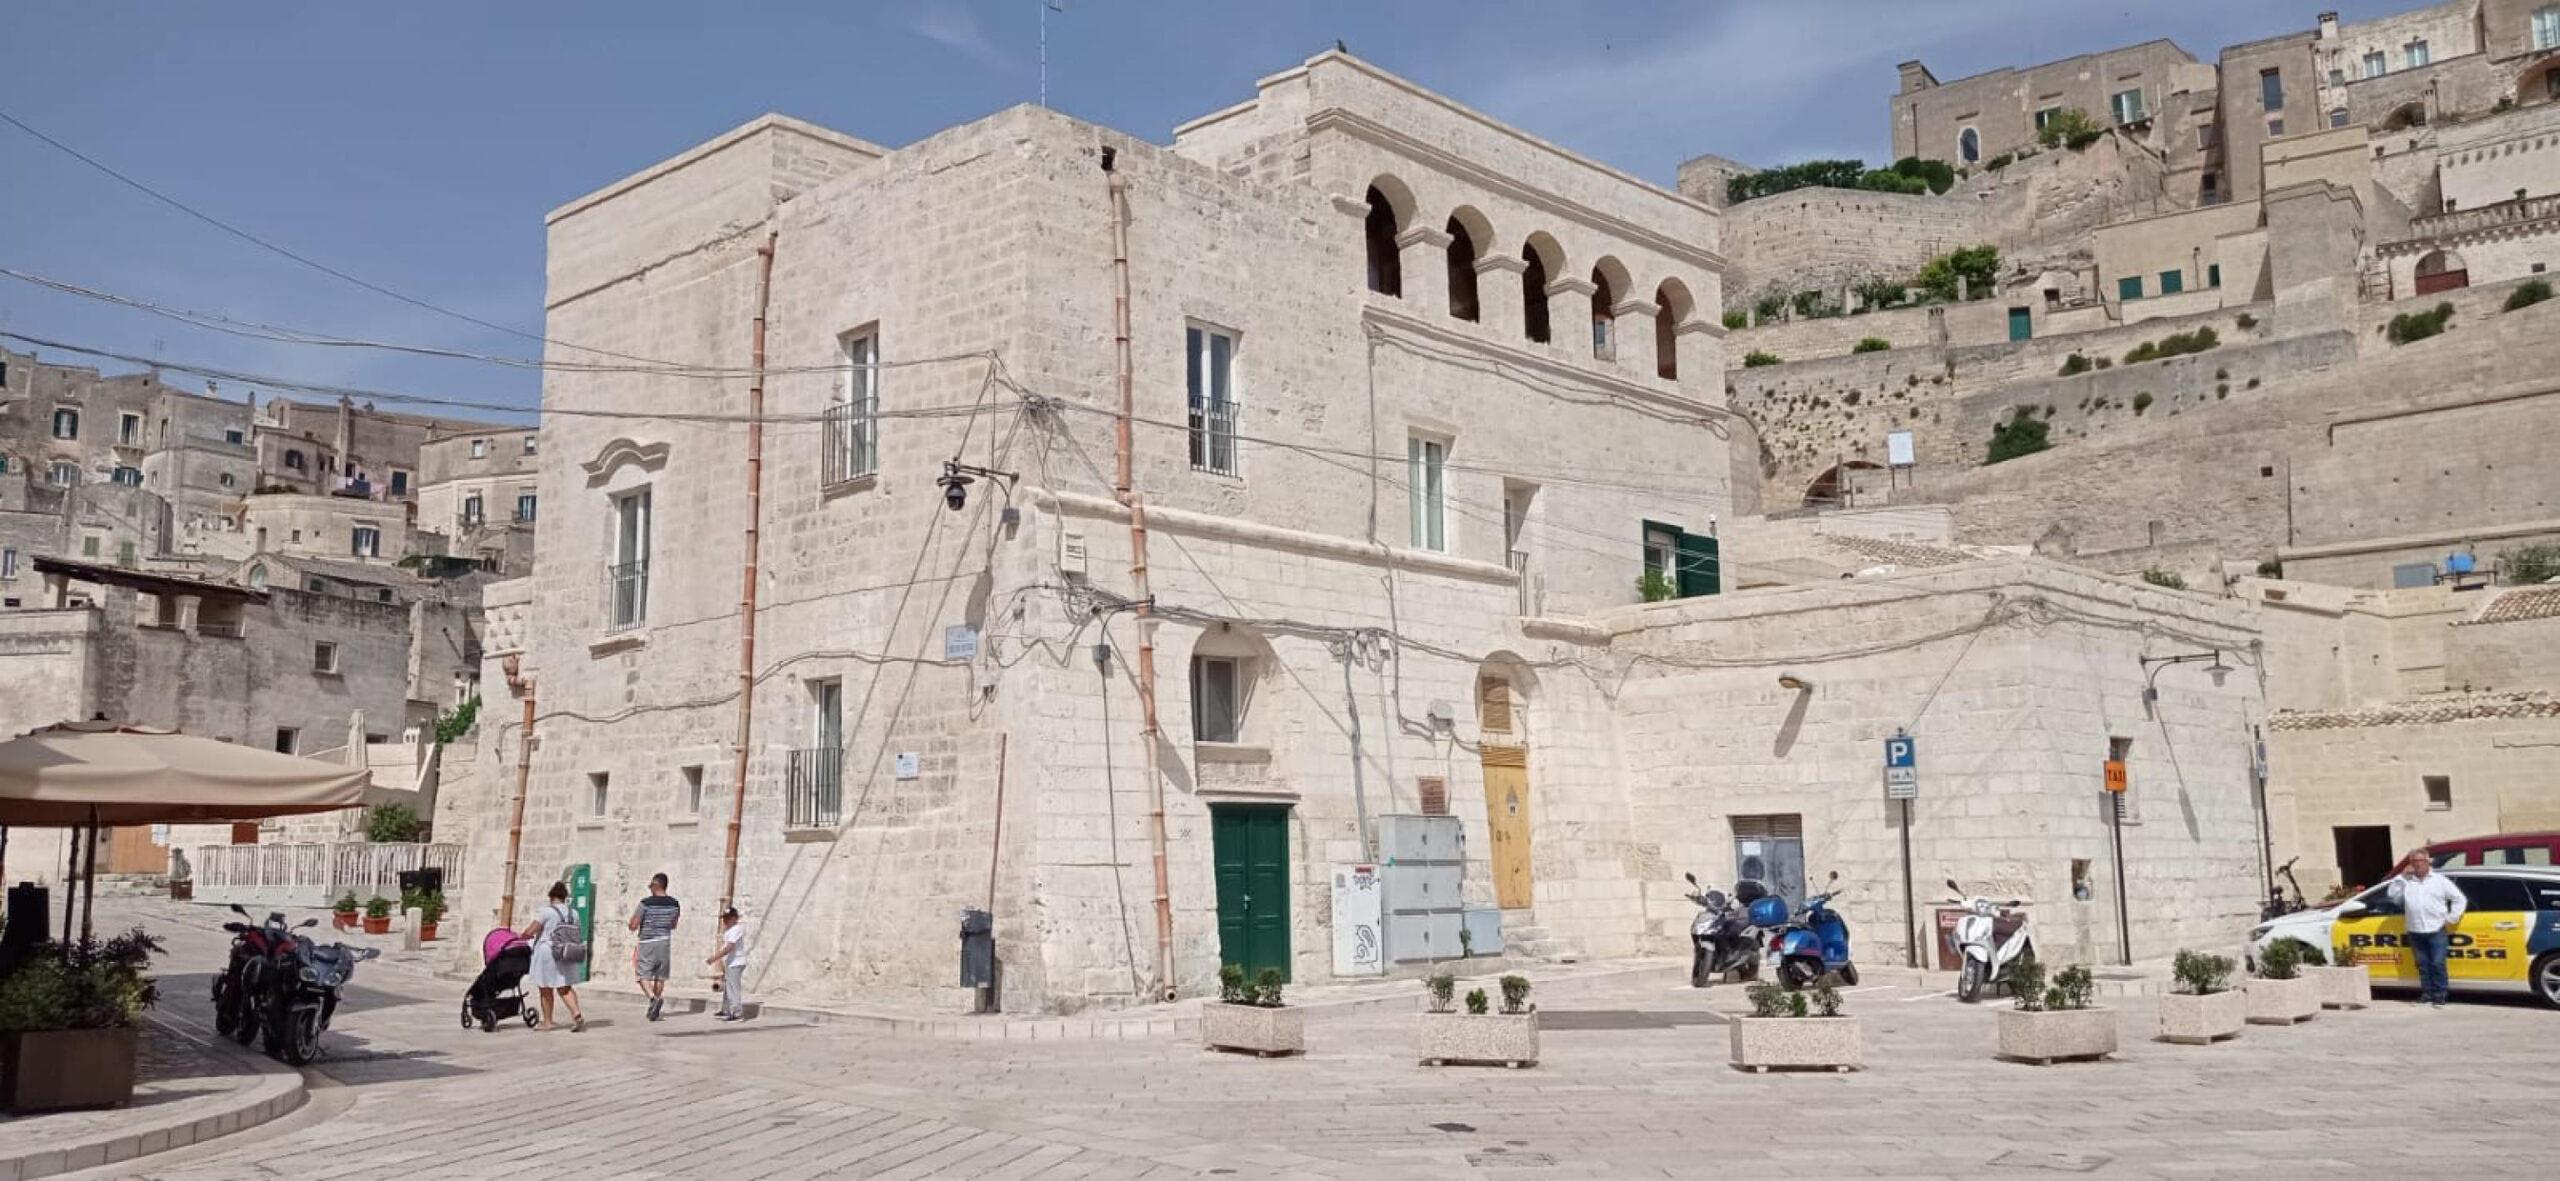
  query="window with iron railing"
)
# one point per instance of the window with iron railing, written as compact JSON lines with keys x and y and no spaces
{"x":1211,"y":353}
{"x":852,"y":436}
{"x":627,"y":576}
{"x":816,"y":790}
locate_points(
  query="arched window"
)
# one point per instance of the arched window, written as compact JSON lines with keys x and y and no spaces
{"x":1969,"y":146}
{"x":1386,"y":265}
{"x":1537,"y":256}
{"x":1671,"y":310}
{"x":1604,"y":299}
{"x":1462,"y":272}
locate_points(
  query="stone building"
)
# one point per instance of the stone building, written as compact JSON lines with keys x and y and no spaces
{"x":1424,"y":408}
{"x":478,"y":491}
{"x":1970,"y":120}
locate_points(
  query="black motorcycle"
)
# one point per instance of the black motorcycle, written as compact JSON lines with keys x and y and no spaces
{"x":1721,"y":938}
{"x":303,"y":980}
{"x":243,"y":980}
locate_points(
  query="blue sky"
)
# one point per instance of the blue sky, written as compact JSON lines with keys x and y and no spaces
{"x":418,"y":146}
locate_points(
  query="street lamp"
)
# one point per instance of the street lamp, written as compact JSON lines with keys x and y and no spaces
{"x":2151,"y":666}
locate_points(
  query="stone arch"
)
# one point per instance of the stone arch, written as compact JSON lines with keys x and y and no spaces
{"x":1505,"y":686}
{"x":1250,"y":686}
{"x":2405,"y":116}
{"x":1470,"y":233}
{"x":1671,"y":310}
{"x":1831,"y":488}
{"x":2538,"y":82}
{"x":1542,"y":259}
{"x":1390,"y":211}
{"x":2442,"y":270}
{"x":1969,"y":146}
{"x":1609,"y":284}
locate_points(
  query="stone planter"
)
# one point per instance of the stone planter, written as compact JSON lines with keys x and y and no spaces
{"x":2044,"y":1037}
{"x":377,"y":926}
{"x":2194,"y":1020}
{"x":2283,"y":1002}
{"x":60,"y":1069}
{"x":2343,"y":988}
{"x":1504,"y":1039}
{"x":1253,"y":1029}
{"x":1763,"y":1044}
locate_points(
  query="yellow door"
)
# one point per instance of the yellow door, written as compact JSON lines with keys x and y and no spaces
{"x":1506,"y":802}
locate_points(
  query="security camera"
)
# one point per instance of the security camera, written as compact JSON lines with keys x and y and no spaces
{"x":955,"y":488}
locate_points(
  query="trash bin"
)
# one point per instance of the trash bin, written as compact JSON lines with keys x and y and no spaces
{"x":429,"y":880}
{"x":977,"y":949}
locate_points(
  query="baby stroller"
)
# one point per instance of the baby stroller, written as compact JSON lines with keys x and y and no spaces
{"x":498,"y":992}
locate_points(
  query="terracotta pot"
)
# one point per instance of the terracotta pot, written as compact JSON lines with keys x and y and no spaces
{"x":1253,"y":1029}
{"x":377,"y":926}
{"x":59,"y":1069}
{"x":426,"y":932}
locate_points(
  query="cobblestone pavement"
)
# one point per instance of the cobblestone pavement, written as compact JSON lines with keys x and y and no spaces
{"x":1634,"y":1084}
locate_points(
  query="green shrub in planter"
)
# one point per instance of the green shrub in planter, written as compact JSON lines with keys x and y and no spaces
{"x":67,"y":1017}
{"x":1477,"y":1005}
{"x":378,"y":908}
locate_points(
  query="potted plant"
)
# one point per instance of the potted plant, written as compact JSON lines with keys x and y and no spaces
{"x":430,"y":907}
{"x":377,"y":916}
{"x":2203,"y":1010}
{"x":2342,"y":986}
{"x":2282,"y":995}
{"x":1784,"y":1032}
{"x":1252,"y":1018}
{"x":67,"y":1019}
{"x":1441,"y":1035}
{"x":2056,"y":1024}
{"x":343,"y":913}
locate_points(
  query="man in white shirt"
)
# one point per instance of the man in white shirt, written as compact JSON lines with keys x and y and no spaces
{"x":2430,"y":904}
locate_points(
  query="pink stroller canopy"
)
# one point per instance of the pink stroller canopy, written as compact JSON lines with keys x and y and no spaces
{"x":497,"y":941}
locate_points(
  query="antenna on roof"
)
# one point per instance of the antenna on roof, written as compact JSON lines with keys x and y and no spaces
{"x":1046,"y":7}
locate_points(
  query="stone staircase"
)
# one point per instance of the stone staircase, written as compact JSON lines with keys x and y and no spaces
{"x":1523,"y":938}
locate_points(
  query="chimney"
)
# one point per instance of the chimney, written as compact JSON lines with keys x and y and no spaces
{"x":1916,"y":77}
{"x":2328,"y":26}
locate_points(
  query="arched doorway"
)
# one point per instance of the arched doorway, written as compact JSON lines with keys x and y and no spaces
{"x":2442,"y":270}
{"x":1502,"y":751}
{"x":1831,"y":489}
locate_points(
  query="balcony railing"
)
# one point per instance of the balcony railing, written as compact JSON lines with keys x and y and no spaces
{"x":852,"y":447}
{"x":226,"y":631}
{"x":626,"y":595}
{"x":2422,"y":230}
{"x":816,"y":796}
{"x":1529,"y":597}
{"x":1213,"y":437}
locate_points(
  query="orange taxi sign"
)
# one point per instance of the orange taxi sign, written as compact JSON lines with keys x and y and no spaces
{"x":2115,"y":776}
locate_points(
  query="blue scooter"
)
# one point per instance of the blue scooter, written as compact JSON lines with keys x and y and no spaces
{"x":1815,"y":944}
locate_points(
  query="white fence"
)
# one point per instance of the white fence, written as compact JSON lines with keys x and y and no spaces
{"x":314,"y":875}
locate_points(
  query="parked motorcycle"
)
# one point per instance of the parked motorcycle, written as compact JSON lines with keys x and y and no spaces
{"x":304,"y":979}
{"x":242,"y":980}
{"x":1721,"y":938}
{"x":1985,"y":964}
{"x":1816,"y":943}
{"x":2279,"y":901}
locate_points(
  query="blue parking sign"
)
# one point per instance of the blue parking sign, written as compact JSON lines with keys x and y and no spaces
{"x":1902,"y":750}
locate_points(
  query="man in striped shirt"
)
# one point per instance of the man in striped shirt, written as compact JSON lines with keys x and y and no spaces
{"x":653,"y":956}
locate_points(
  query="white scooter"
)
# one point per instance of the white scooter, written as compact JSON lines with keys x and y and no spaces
{"x":1985,"y":964}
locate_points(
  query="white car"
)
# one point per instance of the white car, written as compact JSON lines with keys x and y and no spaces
{"x":2311,"y":926}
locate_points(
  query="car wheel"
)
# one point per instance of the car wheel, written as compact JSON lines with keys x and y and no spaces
{"x":2546,"y":978}
{"x":1969,"y":985}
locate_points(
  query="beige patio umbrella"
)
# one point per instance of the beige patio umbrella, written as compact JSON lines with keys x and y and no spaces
{"x":95,"y":774}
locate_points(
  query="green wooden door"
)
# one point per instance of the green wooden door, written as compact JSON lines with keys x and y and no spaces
{"x":1250,"y":844}
{"x":2022,"y":323}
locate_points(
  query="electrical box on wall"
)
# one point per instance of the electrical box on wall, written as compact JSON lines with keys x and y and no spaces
{"x":1359,"y":940}
{"x":1071,"y":554}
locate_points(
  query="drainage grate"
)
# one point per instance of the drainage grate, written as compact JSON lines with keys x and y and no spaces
{"x":2054,"y":1162}
{"x":1503,"y":1158}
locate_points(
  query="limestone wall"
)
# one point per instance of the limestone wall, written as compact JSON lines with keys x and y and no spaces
{"x":1824,"y":239}
{"x":2360,"y":770}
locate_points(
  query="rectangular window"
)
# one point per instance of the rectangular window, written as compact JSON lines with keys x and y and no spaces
{"x":89,"y":546}
{"x":2207,"y":135}
{"x":2271,"y":89}
{"x":2127,"y":105}
{"x":324,"y":657}
{"x":1210,"y":354}
{"x":2337,"y":77}
{"x":599,"y":794}
{"x":2172,"y":282}
{"x":530,"y":442}
{"x":2375,"y":65}
{"x":690,"y":780}
{"x":288,"y":740}
{"x":1679,"y":564}
{"x":628,"y":576}
{"x":2415,"y":53}
{"x":399,"y":482}
{"x":66,"y":424}
{"x":2546,"y":28}
{"x":524,"y":507}
{"x":130,"y":477}
{"x":8,"y":563}
{"x":2212,"y":187}
{"x":2129,"y":287}
{"x":129,"y":429}
{"x":471,"y":510}
{"x":1427,"y":463}
{"x":124,"y":553}
{"x":235,"y":438}
{"x":1217,"y":699}
{"x":1662,"y":556}
{"x":2046,"y":115}
{"x":853,"y":422}
{"x":2213,"y":275}
{"x":367,"y":542}
{"x":2338,"y":118}
{"x":2275,"y":129}
{"x":64,"y":475}
{"x":2439,"y":792}
{"x":479,"y":448}
{"x":826,"y":714}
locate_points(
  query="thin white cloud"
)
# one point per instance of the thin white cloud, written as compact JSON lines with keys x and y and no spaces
{"x":957,"y":29}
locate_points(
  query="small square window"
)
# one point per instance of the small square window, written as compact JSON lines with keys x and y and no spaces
{"x":324,"y":657}
{"x":288,"y":740}
{"x":528,"y":444}
{"x":599,"y":786}
{"x":2275,"y":129}
{"x":235,"y":438}
{"x":2439,"y":792}
{"x":479,"y":448}
{"x":690,"y":779}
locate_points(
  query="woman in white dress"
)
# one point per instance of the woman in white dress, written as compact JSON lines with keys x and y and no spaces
{"x":549,"y":974}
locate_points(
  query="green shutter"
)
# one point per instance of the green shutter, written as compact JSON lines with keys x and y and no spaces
{"x":1701,"y":572}
{"x":2129,"y":287}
